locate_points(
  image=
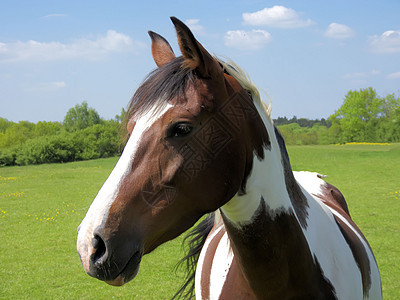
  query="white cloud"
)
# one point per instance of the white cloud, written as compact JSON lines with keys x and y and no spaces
{"x":361,"y":75}
{"x":387,"y":42}
{"x":394,"y":75}
{"x":92,"y":49}
{"x":276,"y":16}
{"x":45,"y":86}
{"x":339,"y":31}
{"x":194,"y":26}
{"x":247,"y":40}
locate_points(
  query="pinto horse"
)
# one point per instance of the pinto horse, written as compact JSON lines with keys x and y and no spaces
{"x":202,"y":142}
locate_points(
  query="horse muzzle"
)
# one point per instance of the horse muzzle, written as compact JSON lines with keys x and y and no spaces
{"x":113,"y":260}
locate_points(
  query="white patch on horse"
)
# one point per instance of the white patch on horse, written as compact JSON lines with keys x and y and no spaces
{"x":327,"y":243}
{"x":220,"y":267}
{"x":326,"y":253}
{"x":310,"y":181}
{"x":375,"y":288}
{"x":99,"y":209}
{"x":202,"y":257}
{"x":267,"y":180}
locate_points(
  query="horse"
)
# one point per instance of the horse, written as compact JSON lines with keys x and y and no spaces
{"x":201,"y":142}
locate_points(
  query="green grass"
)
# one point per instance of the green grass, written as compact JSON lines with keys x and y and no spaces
{"x":40,"y":209}
{"x":41,"y":206}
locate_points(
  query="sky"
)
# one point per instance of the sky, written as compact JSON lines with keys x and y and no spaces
{"x":304,"y":56}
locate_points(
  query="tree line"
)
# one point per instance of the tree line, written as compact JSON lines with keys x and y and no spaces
{"x":82,"y":135}
{"x":303,"y":122}
{"x":364,"y":116}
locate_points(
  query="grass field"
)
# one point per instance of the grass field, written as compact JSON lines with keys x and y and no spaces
{"x":41,"y":206}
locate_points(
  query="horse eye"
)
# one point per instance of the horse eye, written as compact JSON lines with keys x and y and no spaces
{"x":180,"y":130}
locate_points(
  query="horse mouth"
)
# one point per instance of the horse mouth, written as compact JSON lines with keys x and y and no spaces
{"x":129,"y":272}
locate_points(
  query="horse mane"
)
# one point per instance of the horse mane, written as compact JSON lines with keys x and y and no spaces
{"x":195,"y":241}
{"x":246,"y":83}
{"x":159,"y":88}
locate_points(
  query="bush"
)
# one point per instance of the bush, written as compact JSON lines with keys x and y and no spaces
{"x":294,"y":134}
{"x":8,"y":157}
{"x":48,"y":149}
{"x":98,"y":141}
{"x":83,"y":135}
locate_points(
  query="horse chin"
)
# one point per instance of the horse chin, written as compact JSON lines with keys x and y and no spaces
{"x":128,"y":273}
{"x":122,"y":279}
{"x":119,"y":281}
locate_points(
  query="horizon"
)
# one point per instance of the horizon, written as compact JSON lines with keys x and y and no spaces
{"x":289,"y":118}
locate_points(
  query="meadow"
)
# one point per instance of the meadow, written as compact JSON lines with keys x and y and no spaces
{"x":42,"y":205}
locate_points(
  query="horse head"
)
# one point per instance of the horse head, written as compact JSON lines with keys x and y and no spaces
{"x":193,"y":131}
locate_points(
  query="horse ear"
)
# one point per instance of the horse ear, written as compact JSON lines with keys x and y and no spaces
{"x":160,"y":49}
{"x":196,"y":57}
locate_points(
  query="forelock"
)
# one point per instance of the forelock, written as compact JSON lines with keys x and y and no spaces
{"x":159,"y":88}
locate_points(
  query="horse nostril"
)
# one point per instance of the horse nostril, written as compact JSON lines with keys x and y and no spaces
{"x":100,"y":248}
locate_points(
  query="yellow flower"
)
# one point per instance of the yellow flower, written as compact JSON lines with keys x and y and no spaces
{"x":367,"y":143}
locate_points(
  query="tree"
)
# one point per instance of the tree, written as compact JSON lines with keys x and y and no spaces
{"x":4,"y":124}
{"x":390,"y":120}
{"x":80,"y":117}
{"x":120,"y":118}
{"x":366,"y":117}
{"x":358,"y":109}
{"x":389,"y":104}
{"x":46,"y":128}
{"x":16,"y":134}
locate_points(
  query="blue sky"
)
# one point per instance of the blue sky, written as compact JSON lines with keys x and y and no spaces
{"x":306,"y":55}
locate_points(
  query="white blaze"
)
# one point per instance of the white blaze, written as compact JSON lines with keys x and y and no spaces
{"x":98,"y":211}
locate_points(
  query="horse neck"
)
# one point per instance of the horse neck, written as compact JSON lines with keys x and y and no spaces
{"x":265,"y":223}
{"x":268,"y":182}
